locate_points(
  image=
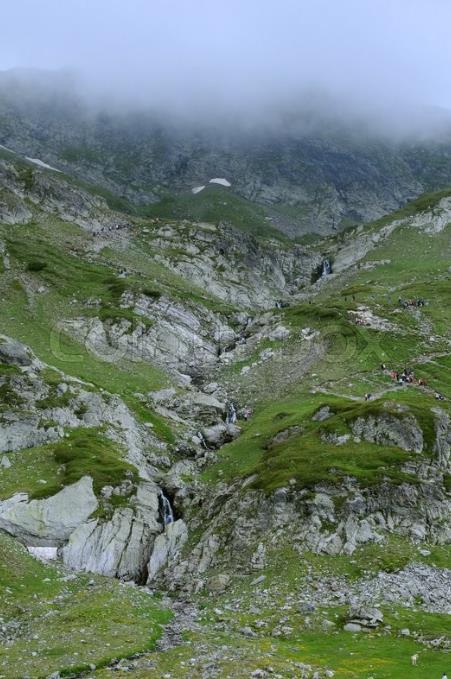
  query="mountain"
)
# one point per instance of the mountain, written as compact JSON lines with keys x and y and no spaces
{"x":308,"y":172}
{"x":211,"y":464}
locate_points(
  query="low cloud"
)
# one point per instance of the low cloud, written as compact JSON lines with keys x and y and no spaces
{"x":386,"y":63}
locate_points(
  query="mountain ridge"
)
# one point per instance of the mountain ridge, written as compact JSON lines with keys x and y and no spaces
{"x":312,"y":180}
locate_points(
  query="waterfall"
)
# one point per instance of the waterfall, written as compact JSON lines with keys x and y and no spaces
{"x":326,"y":268}
{"x":202,"y":440}
{"x":166,"y":510}
{"x":231,"y":414}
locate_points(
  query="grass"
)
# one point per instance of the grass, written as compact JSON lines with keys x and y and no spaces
{"x":72,"y":281}
{"x":216,"y":204}
{"x":44,"y":470}
{"x":306,"y":456}
{"x":66,"y":625}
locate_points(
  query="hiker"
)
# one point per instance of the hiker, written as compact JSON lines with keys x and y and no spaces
{"x":414,"y":658}
{"x":367,"y":397}
{"x":383,"y":366}
{"x":444,"y":676}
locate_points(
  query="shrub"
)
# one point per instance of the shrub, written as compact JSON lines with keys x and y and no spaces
{"x":36,"y":265}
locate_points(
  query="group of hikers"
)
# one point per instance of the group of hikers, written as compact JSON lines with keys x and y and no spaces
{"x":407,"y":376}
{"x":406,"y":303}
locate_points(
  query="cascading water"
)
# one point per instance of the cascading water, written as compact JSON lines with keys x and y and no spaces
{"x":231,"y":414}
{"x":203,"y":443}
{"x":166,"y":510}
{"x":326,"y":268}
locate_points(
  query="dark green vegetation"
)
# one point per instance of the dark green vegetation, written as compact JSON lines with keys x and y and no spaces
{"x":216,"y":204}
{"x":284,"y":443}
{"x":82,"y":452}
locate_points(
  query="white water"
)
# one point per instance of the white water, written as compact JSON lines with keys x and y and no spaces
{"x":168,"y":514}
{"x":202,"y":440}
{"x":326,"y":268}
{"x":231,"y":414}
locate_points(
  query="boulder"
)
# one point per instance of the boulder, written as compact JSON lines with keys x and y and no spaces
{"x":279,"y":333}
{"x":366,"y":617}
{"x":5,"y":462}
{"x":215,"y":435}
{"x":322,"y":414}
{"x":352,"y":627}
{"x":14,"y":353}
{"x":218,"y":583}
{"x":48,"y":522}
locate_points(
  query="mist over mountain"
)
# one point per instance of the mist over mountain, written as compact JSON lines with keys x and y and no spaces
{"x":314,"y":168}
{"x":324,"y":114}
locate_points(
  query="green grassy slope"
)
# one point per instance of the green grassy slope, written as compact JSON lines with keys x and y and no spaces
{"x":65,"y":623}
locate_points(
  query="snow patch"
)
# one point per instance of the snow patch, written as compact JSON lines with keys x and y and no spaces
{"x":220,"y":180}
{"x":6,"y":148}
{"x":41,"y":163}
{"x":197,"y":189}
{"x":44,"y":553}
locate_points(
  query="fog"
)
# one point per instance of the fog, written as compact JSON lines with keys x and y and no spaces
{"x":387,"y":62}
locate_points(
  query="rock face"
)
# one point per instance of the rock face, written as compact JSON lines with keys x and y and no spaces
{"x":14,"y":353}
{"x":23,"y":187}
{"x":167,"y":547}
{"x":332,"y":520}
{"x":177,"y":339}
{"x":48,"y":522}
{"x":402,"y":432}
{"x":121,"y":546}
{"x":236,"y":267}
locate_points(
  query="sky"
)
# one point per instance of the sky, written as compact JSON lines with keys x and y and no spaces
{"x":374,"y":56}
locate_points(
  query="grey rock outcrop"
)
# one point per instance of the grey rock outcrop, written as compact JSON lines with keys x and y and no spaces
{"x":48,"y":522}
{"x":401,"y":431}
{"x":121,"y":546}
{"x":167,"y":548}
